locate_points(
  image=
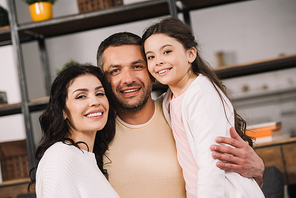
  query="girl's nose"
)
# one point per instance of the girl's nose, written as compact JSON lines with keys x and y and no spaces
{"x":159,"y":62}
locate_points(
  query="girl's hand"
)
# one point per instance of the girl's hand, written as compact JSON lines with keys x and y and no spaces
{"x":240,"y":158}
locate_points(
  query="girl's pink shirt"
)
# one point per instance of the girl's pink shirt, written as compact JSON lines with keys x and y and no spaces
{"x":184,"y":153}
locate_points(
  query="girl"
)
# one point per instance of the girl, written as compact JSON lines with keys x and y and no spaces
{"x":77,"y":126}
{"x":198,"y":107}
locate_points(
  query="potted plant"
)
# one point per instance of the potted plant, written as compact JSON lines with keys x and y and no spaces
{"x":40,"y":10}
{"x":3,"y":17}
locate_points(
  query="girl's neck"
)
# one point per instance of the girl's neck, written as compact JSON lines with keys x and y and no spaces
{"x":86,"y":137}
{"x":180,"y":87}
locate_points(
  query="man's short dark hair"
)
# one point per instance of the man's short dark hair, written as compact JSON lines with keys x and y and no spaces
{"x":117,"y":39}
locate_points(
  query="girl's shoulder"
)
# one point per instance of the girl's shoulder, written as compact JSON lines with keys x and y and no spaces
{"x":201,"y":85}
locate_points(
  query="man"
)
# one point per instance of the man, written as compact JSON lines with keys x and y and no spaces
{"x":142,"y":159}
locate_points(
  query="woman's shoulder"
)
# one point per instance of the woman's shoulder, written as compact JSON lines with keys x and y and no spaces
{"x":61,"y":147}
{"x":60,"y":153}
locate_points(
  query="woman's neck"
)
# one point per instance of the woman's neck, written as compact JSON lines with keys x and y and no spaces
{"x":87,"y":137}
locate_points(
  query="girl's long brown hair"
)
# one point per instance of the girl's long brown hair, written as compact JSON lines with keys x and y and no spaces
{"x":175,"y":28}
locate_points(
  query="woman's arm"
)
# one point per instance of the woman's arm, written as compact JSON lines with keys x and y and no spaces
{"x":240,"y":158}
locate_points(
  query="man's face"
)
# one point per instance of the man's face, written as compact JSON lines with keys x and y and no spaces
{"x":128,"y":75}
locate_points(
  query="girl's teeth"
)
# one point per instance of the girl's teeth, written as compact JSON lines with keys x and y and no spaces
{"x":163,"y":71}
{"x":94,"y":114}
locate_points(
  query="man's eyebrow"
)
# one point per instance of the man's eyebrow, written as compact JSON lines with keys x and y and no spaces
{"x":138,"y":61}
{"x":133,"y":63}
{"x":113,"y":66}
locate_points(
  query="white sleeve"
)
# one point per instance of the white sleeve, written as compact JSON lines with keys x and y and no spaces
{"x":55,"y":176}
{"x":205,"y":119}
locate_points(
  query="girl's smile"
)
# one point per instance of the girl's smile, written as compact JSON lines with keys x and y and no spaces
{"x":169,"y":62}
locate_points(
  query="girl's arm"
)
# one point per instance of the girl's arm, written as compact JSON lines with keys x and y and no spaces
{"x":206,"y":119}
{"x":241,"y":159}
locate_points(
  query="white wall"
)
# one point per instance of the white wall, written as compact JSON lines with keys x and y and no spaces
{"x":11,"y":127}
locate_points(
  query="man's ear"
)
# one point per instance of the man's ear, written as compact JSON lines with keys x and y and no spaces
{"x":191,"y":54}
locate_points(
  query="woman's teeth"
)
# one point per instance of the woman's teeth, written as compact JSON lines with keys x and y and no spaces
{"x":94,"y":114}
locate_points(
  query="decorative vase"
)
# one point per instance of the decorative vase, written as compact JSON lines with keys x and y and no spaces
{"x":41,"y":11}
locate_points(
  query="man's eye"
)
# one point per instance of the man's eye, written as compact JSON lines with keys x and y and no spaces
{"x":114,"y":71}
{"x":138,"y":67}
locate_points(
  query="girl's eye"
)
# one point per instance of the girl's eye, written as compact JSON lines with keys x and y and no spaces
{"x":167,"y":51}
{"x":150,"y":57}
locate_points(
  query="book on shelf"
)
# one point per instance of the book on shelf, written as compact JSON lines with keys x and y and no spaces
{"x":266,"y":132}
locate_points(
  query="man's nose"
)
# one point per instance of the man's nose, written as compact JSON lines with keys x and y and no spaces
{"x":128,"y":77}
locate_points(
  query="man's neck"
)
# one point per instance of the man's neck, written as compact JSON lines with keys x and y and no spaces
{"x":138,"y":117}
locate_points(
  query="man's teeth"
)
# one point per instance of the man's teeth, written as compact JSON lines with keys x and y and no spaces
{"x":130,"y":90}
{"x":163,"y":71}
{"x":94,"y":114}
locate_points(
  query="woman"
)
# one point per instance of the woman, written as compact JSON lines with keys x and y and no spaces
{"x":78,"y":124}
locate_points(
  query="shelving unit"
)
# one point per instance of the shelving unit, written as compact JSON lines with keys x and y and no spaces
{"x":39,"y":31}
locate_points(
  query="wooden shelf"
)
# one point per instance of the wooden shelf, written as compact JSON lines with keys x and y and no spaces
{"x":279,"y":63}
{"x":37,"y":104}
{"x":282,"y":155}
{"x":88,"y":21}
{"x":98,"y":19}
{"x":193,"y":5}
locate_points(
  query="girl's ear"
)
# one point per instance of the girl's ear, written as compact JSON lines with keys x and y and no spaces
{"x":191,"y":54}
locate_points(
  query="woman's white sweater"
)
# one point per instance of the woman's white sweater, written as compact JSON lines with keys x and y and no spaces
{"x":67,"y":171}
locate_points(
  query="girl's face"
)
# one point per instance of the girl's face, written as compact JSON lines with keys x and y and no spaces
{"x":86,"y":105}
{"x":168,"y":61}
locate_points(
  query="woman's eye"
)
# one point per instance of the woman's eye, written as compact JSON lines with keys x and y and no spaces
{"x":80,"y":96}
{"x":100,"y":94}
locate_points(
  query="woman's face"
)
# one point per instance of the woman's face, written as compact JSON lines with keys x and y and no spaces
{"x":86,"y":105}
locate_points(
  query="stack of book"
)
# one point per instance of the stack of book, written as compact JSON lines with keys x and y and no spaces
{"x":266,"y":132}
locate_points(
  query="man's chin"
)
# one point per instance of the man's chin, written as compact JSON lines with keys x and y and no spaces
{"x":132,"y":107}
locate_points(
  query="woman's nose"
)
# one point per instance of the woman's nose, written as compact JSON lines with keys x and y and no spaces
{"x":94,"y":101}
